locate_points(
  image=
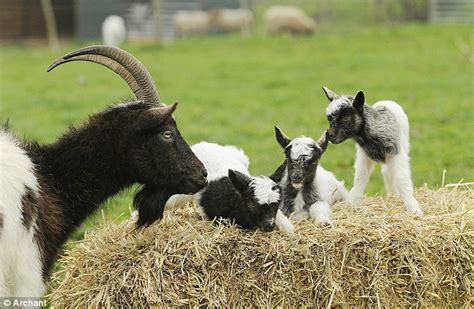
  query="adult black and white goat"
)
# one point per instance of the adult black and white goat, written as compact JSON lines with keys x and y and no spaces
{"x":46,"y":191}
{"x":381,"y":134}
{"x":232,"y":194}
{"x":307,"y":188}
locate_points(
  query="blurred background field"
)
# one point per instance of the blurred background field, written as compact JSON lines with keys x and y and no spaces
{"x":233,"y":89}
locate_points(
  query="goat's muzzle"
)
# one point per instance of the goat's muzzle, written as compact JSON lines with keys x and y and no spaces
{"x":333,"y":138}
{"x":195,"y":184}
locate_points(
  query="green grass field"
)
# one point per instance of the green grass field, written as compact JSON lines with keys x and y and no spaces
{"x":233,"y":90}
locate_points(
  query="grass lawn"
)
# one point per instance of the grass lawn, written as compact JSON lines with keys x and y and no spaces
{"x":233,"y":90}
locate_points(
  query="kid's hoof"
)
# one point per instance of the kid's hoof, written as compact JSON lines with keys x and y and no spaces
{"x":355,"y":199}
{"x":324,"y":221}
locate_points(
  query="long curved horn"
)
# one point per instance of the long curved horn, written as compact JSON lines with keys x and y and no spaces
{"x":106,"y":62}
{"x":121,"y":62}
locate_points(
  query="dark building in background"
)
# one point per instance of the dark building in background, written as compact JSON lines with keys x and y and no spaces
{"x":24,"y":19}
{"x":145,"y":19}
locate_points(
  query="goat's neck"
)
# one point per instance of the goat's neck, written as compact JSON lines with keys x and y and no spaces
{"x":308,"y":191}
{"x":368,"y":129}
{"x":371,"y":138}
{"x":84,"y":169}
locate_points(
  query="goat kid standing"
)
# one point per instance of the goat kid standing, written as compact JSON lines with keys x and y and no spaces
{"x":381,"y":134}
{"x":307,"y":188}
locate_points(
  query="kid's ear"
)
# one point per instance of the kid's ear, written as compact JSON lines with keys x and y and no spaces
{"x":359,"y":101}
{"x":324,"y":141}
{"x":240,"y":181}
{"x":331,"y":95}
{"x":281,"y":137}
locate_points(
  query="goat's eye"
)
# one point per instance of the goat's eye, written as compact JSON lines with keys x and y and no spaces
{"x":167,"y":134}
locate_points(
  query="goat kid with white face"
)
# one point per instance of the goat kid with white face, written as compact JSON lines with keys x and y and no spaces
{"x":381,"y":134}
{"x":252,"y":202}
{"x":232,"y":194}
{"x":307,"y":188}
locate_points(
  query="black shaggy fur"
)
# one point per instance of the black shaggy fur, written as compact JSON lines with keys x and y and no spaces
{"x":150,"y":203}
{"x":233,"y":198}
{"x":123,"y":145}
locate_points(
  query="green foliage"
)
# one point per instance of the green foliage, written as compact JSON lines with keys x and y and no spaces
{"x":233,"y":90}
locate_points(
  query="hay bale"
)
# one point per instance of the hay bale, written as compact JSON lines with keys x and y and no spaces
{"x":376,"y":254}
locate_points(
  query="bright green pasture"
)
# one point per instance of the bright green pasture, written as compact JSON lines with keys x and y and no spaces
{"x":233,"y":90}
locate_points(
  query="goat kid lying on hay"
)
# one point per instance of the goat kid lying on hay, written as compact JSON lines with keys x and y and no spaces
{"x":375,"y":255}
{"x":232,"y":193}
{"x":46,"y":191}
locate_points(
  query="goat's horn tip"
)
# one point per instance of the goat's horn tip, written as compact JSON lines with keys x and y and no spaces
{"x":51,"y":67}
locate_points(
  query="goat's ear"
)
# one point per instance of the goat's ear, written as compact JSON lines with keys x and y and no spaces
{"x":359,"y":101}
{"x":281,"y":137}
{"x":331,"y":95}
{"x":324,"y":141}
{"x":155,"y":116}
{"x":240,"y":181}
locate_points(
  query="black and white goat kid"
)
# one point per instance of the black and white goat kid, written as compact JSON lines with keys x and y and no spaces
{"x":46,"y":191}
{"x":381,"y":134}
{"x":307,"y":188}
{"x":232,"y":194}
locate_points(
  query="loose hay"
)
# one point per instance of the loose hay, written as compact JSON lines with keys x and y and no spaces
{"x":376,"y":255}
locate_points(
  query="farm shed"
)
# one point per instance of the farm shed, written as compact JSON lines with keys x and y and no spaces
{"x":451,"y":11}
{"x":24,"y":19}
{"x":145,"y":19}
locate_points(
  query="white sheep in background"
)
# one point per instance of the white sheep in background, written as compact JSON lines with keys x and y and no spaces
{"x":232,"y":193}
{"x":192,"y":23}
{"x":307,"y":188}
{"x":114,"y":31}
{"x":381,"y":134}
{"x":291,"y":19}
{"x":232,"y":20}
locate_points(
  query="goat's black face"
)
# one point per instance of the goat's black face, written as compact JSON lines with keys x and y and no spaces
{"x":162,"y":158}
{"x":345,"y":116}
{"x":302,"y":156}
{"x":155,"y":155}
{"x":261,"y":197}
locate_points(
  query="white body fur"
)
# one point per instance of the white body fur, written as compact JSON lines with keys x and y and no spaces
{"x":229,"y":20}
{"x":20,"y":261}
{"x":330,"y":190}
{"x":281,"y":18}
{"x":396,"y":169}
{"x":192,"y":22}
{"x":218,"y":160}
{"x":114,"y":31}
